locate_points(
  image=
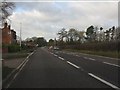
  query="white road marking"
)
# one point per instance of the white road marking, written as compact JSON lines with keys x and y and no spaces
{"x":100,"y":56}
{"x":31,"y":53}
{"x":23,"y":63}
{"x":34,"y":50}
{"x":77,"y":55}
{"x":85,"y":58}
{"x":109,"y":84}
{"x":91,"y":59}
{"x":61,"y":58}
{"x":73,"y":65}
{"x":16,"y":68}
{"x":103,"y":62}
{"x":51,"y":53}
{"x":8,"y":85}
{"x":55,"y":55}
{"x":111,"y":64}
{"x":15,"y":76}
{"x":24,"y":60}
{"x":27,"y":57}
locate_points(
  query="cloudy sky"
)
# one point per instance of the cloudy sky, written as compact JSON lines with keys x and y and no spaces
{"x":47,"y":18}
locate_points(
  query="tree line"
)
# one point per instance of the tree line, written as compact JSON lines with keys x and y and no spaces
{"x":93,"y":38}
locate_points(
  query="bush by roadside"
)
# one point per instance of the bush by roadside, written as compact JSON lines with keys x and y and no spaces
{"x":11,"y":48}
{"x":94,"y":46}
{"x":13,"y":59}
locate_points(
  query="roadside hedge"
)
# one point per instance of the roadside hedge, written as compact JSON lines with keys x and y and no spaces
{"x":95,"y":46}
{"x":13,"y":48}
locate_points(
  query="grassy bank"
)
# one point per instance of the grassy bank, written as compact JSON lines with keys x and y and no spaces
{"x":11,"y":56}
{"x":6,"y":71}
{"x":112,"y":54}
{"x":14,"y":55}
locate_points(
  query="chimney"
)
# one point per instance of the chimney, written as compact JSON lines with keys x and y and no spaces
{"x":5,"y":25}
{"x":9,"y":27}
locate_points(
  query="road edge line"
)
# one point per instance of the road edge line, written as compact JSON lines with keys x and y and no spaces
{"x":17,"y":68}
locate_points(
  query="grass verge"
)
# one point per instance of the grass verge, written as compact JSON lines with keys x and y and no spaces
{"x":14,"y":55}
{"x":112,"y":54}
{"x":6,"y":71}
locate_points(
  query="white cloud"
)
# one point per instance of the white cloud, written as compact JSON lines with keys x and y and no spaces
{"x":47,"y":18}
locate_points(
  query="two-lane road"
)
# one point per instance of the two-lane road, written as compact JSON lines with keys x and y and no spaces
{"x":49,"y":70}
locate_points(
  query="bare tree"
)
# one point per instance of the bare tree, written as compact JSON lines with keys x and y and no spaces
{"x":113,"y":33}
{"x":6,"y":9}
{"x":62,"y":33}
{"x":73,"y":35}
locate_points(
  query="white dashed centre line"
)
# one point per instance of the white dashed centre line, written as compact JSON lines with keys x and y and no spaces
{"x":61,"y":58}
{"x":51,"y":53}
{"x":111,"y":64}
{"x":109,"y":84}
{"x":77,"y":55}
{"x":91,"y":59}
{"x":85,"y":58}
{"x":55,"y":55}
{"x":73,"y":65}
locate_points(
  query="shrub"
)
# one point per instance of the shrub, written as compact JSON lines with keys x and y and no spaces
{"x":95,"y":46}
{"x":13,"y":48}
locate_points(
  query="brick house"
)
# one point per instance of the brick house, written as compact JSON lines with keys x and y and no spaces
{"x":8,"y":35}
{"x":13,"y":36}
